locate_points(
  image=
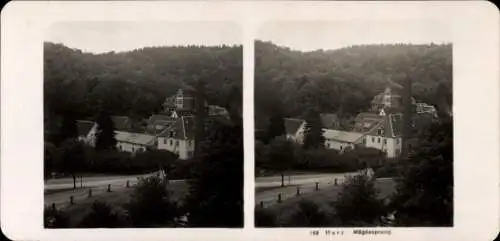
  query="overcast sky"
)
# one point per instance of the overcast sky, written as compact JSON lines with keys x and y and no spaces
{"x":98,"y":37}
{"x":308,"y":36}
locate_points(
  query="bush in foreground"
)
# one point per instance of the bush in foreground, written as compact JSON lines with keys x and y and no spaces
{"x":309,"y":214}
{"x":151,"y":205}
{"x":54,"y":218}
{"x":357,"y":203}
{"x":265,"y":218}
{"x":102,"y":216}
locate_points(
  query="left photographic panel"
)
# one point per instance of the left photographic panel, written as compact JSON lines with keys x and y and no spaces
{"x":143,"y":125}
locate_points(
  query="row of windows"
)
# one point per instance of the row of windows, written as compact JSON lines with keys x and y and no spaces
{"x":190,"y":142}
{"x":134,"y":149}
{"x":379,"y":140}
{"x":331,"y":146}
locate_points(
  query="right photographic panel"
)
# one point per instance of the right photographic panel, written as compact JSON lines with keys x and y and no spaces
{"x":353,"y":124}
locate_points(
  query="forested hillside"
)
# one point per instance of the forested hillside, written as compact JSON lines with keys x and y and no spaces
{"x":344,"y":81}
{"x":136,"y":83}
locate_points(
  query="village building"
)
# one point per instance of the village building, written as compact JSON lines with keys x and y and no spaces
{"x":86,"y":131}
{"x":389,"y":99}
{"x":294,"y":129}
{"x":342,"y":140}
{"x":179,"y":138}
{"x":172,"y":130}
{"x":157,"y":123}
{"x":386,"y":135}
{"x":134,"y":142}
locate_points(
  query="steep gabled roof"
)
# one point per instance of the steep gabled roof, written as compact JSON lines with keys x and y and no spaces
{"x":155,"y":119}
{"x":342,"y":136}
{"x":328,"y":120}
{"x":84,"y":127}
{"x":121,"y":122}
{"x":366,"y":121}
{"x":134,"y":138}
{"x":391,"y":126}
{"x":182,"y":129}
{"x":394,"y":125}
{"x":292,"y":125}
{"x":157,"y":123}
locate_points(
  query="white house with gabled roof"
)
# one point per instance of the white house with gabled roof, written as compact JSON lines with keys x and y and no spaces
{"x":179,"y":138}
{"x":342,"y":140}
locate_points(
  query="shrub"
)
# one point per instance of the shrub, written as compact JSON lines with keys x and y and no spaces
{"x":265,"y":218}
{"x":102,"y":216}
{"x":309,"y":214}
{"x":150,"y":204}
{"x":54,"y":218}
{"x":357,"y":203}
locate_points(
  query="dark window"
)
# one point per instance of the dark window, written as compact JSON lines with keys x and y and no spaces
{"x":378,"y":139}
{"x":171,"y":142}
{"x":373,"y":139}
{"x":340,"y":147}
{"x":164,"y":141}
{"x":385,"y":141}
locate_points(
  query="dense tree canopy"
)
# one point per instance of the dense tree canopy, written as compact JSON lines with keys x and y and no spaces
{"x":425,"y":189}
{"x":345,"y":80}
{"x":216,"y":192}
{"x":134,"y":83}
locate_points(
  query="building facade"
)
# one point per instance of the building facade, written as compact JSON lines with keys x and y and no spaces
{"x":179,"y":138}
{"x":134,"y":142}
{"x":342,"y":140}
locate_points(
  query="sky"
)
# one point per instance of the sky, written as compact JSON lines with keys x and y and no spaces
{"x":310,"y":36}
{"x":99,"y":37}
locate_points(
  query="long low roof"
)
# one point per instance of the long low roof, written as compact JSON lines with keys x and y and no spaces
{"x":343,"y":136}
{"x":134,"y":138}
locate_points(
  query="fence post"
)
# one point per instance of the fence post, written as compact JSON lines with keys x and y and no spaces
{"x":317,"y":187}
{"x":298,"y":191}
{"x":128,"y":183}
{"x":279,"y":197}
{"x":71,"y":200}
{"x":109,"y":187}
{"x":335,"y":182}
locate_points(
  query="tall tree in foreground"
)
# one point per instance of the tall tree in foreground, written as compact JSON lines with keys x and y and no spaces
{"x":313,"y":131}
{"x":72,"y":158}
{"x":105,"y":137}
{"x":276,"y":127}
{"x":425,"y":189}
{"x":215,"y":197}
{"x":280,"y":156}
